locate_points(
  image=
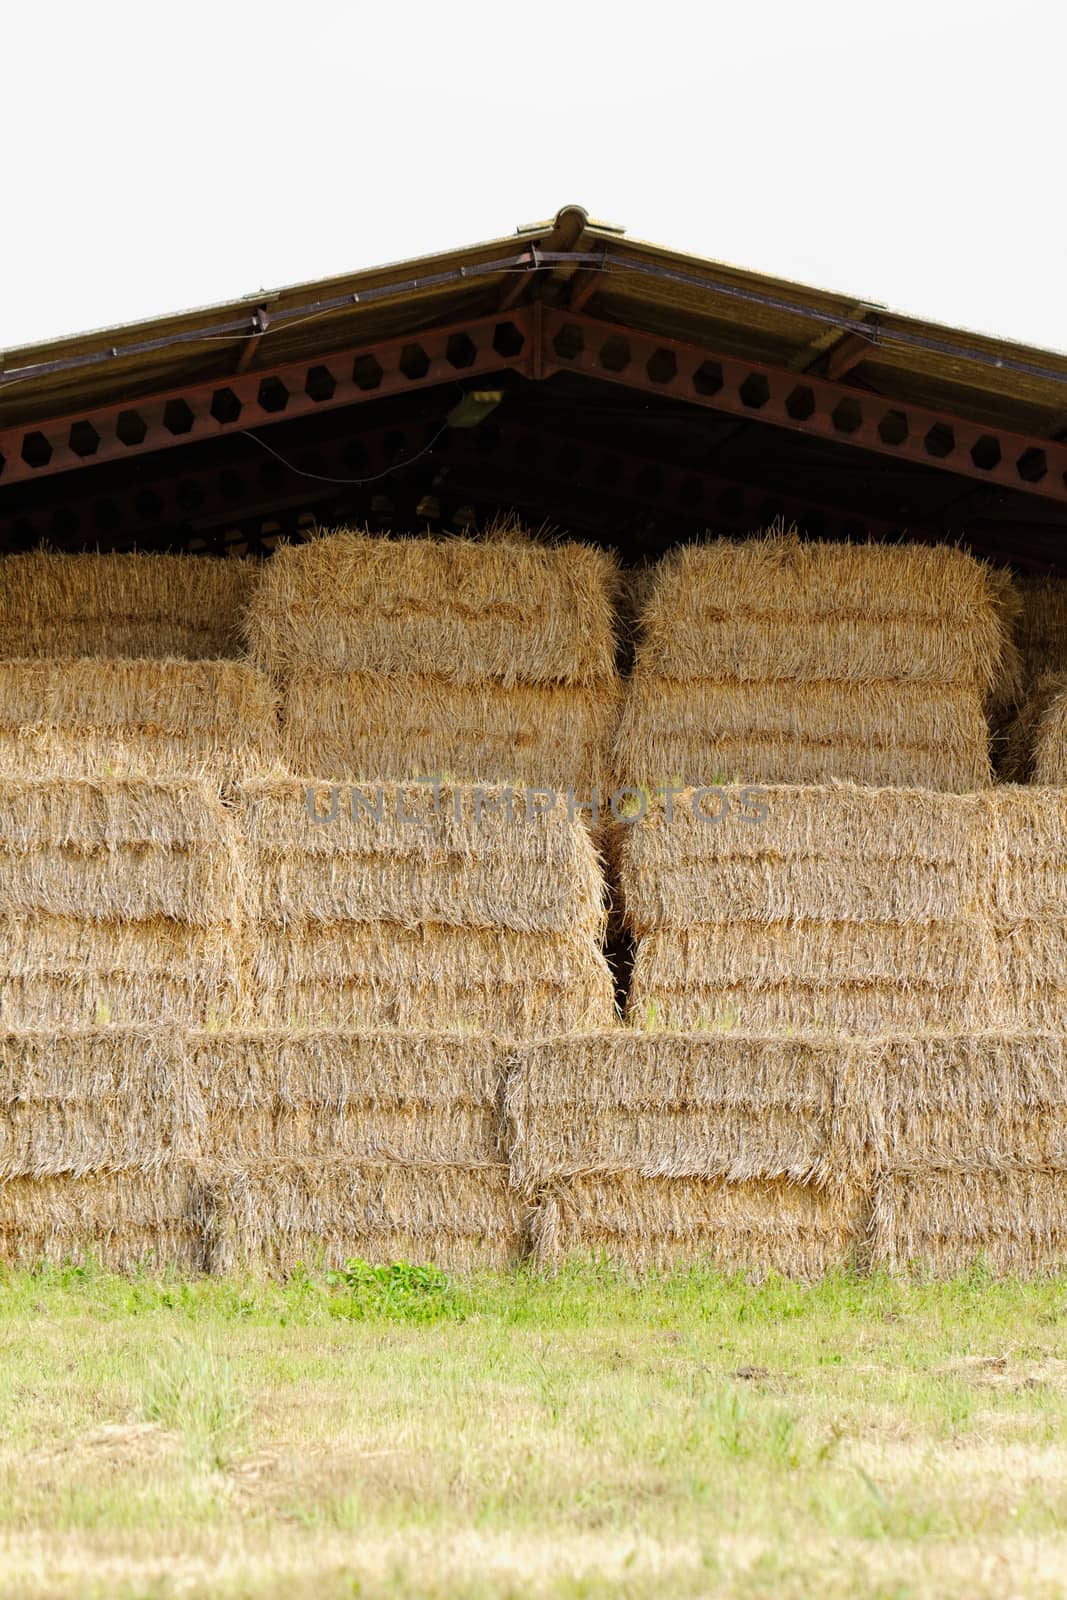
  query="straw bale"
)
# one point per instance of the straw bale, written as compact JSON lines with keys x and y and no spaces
{"x":84,"y":1099}
{"x":109,"y":718}
{"x":676,"y":1105}
{"x":426,"y":1097}
{"x":274,"y":1214}
{"x":444,"y":856}
{"x":1026,"y":843}
{"x":66,"y":971}
{"x":1050,"y":734}
{"x":506,"y":608}
{"x":1019,"y":745}
{"x":777,"y":607}
{"x":884,"y":733}
{"x":970,"y":1102}
{"x":941,"y":1221}
{"x":758,"y":1228}
{"x":122,"y":1220}
{"x":358,"y":725}
{"x":430,"y":976}
{"x":1041,"y":631}
{"x":122,"y":605}
{"x":124,"y":850}
{"x":835,"y":853}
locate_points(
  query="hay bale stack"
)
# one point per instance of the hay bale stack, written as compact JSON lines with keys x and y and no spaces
{"x":377,"y":1097}
{"x":120,"y":902}
{"x":758,"y":1228}
{"x":150,"y":606}
{"x":488,"y":660}
{"x":1049,"y":735}
{"x":121,"y":1220}
{"x":830,"y":909}
{"x":773,"y":660}
{"x":276,"y":1214}
{"x":85,"y":718}
{"x":415,"y":907}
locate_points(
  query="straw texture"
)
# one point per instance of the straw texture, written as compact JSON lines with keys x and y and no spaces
{"x":429,"y":977}
{"x":452,"y":857}
{"x":941,"y":1221}
{"x":1041,"y":630}
{"x":758,"y":1228}
{"x":121,"y":1220}
{"x":361,"y":1096}
{"x":83,"y":718}
{"x":122,"y":605}
{"x":79,"y":1100}
{"x":679,"y":1106}
{"x":275,"y":1214}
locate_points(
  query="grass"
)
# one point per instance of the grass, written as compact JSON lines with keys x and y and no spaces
{"x":389,"y":1431}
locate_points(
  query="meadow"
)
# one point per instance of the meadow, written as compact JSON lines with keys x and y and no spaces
{"x":395,"y":1432}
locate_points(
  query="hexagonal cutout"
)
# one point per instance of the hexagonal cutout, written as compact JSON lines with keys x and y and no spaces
{"x":177,"y":417}
{"x":800,"y":402}
{"x":507,"y":340}
{"x":847,"y":416}
{"x":130,"y":427}
{"x":83,"y":439}
{"x":615,"y":354}
{"x":893,"y":427}
{"x":755,"y":391}
{"x":1032,"y":465}
{"x":661,"y":366}
{"x":225,"y":406}
{"x":320,"y":384}
{"x":940,"y":441}
{"x":569,"y":342}
{"x":708,"y":378}
{"x":460,"y":351}
{"x":985,"y":452}
{"x":414,"y":362}
{"x":367,"y":372}
{"x":36,"y":450}
{"x":273,"y":396}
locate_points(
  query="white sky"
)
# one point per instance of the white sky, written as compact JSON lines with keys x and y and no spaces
{"x":161,"y":155}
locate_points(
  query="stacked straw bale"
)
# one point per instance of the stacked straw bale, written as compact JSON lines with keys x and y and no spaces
{"x":93,"y":718}
{"x":1041,"y":731}
{"x":773,"y":660}
{"x":1041,"y":629}
{"x":336,"y":1144}
{"x":831,"y":909}
{"x":422,"y":909}
{"x":149,"y":606}
{"x":673,"y":1148}
{"x":1026,"y":878}
{"x":483,"y":660}
{"x":120,"y":902}
{"x":100,"y":1131}
{"x":969,"y":1149}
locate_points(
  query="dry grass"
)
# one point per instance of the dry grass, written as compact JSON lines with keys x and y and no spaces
{"x":275,"y":1214}
{"x":426,"y":858}
{"x":83,"y":718}
{"x":139,"y":605}
{"x":364,"y":1097}
{"x":757,"y":1228}
{"x":81,"y":1100}
{"x":429,"y":976}
{"x":678,"y":1106}
{"x":505,"y":607}
{"x":122,"y":850}
{"x":358,"y":725}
